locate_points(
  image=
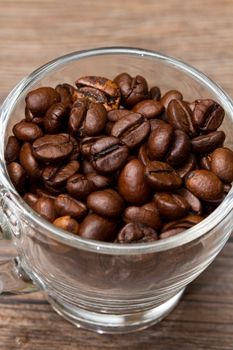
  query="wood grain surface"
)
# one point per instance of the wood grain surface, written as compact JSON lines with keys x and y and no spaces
{"x":199,"y":32}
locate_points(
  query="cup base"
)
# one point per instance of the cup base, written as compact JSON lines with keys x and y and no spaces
{"x":114,"y":324}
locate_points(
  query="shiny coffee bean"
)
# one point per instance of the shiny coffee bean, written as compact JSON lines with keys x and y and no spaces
{"x":57,"y":176}
{"x":66,"y":205}
{"x":204,"y":184}
{"x":108,"y":155}
{"x":187,"y":166}
{"x":222,"y":164}
{"x":171,"y":206}
{"x":29,"y":117}
{"x":205,"y":161}
{"x":12,"y":149}
{"x":161,"y":176}
{"x":159,"y":140}
{"x":98,"y":228}
{"x":133,"y":90}
{"x":131,"y":130}
{"x":31,"y":199}
{"x":169,"y":96}
{"x":180,"y":116}
{"x":77,"y":115}
{"x":17,"y":175}
{"x":86,"y":143}
{"x":27,"y":132}
{"x":52,"y":148}
{"x":29,"y":162}
{"x":193,"y":202}
{"x":67,"y":223}
{"x":65,"y":91}
{"x":131,"y":183}
{"x":143,"y":215}
{"x":155,"y":93}
{"x":179,"y":150}
{"x":207,"y":115}
{"x":106,"y":203}
{"x":136,"y":233}
{"x":45,"y":207}
{"x":116,"y":114}
{"x":208,"y":143}
{"x":143,"y":154}
{"x":38,"y":101}
{"x":149,"y":108}
{"x":54,"y":120}
{"x":184,"y":223}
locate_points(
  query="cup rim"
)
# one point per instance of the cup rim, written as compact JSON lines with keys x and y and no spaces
{"x":70,"y":239}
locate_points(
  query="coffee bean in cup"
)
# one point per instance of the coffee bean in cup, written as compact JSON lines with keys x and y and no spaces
{"x":118,"y":160}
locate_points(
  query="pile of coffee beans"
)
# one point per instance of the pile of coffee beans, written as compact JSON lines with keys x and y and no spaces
{"x":118,"y":162}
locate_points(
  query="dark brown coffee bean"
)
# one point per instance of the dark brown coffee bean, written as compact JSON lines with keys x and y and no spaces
{"x":194,"y":203}
{"x":12,"y":149}
{"x":179,"y":149}
{"x":67,"y":223}
{"x":31,"y":199}
{"x":106,"y":203}
{"x":155,"y":93}
{"x":136,"y":233}
{"x":57,"y":176}
{"x":159,"y":140}
{"x":143,"y":155}
{"x":143,"y":215}
{"x":86,"y":143}
{"x":29,"y":117}
{"x":65,"y":91}
{"x":45,"y":207}
{"x":204,"y":184}
{"x":107,"y":87}
{"x":161,"y":176}
{"x":205,"y":161}
{"x":116,"y":114}
{"x":133,"y":90}
{"x":222,"y":164}
{"x":38,"y":101}
{"x":100,"y":182}
{"x":27,"y":132}
{"x":169,"y":96}
{"x":66,"y":205}
{"x":108,"y":155}
{"x":184,"y":223}
{"x":52,"y":148}
{"x":87,"y":167}
{"x":74,"y":155}
{"x":209,"y":142}
{"x":95,"y":119}
{"x":149,"y":108}
{"x":54,"y":119}
{"x":171,"y":206}
{"x":42,"y":192}
{"x":131,"y":130}
{"x":207,"y":115}
{"x":17,"y":175}
{"x":180,"y":116}
{"x":98,"y":228}
{"x":171,"y":232}
{"x":77,"y":116}
{"x":131,"y":183}
{"x":185,"y":168}
{"x":29,"y":162}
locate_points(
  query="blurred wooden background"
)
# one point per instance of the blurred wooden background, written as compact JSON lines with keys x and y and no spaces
{"x":199,"y":32}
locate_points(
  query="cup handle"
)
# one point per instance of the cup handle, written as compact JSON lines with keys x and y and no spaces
{"x":13,"y":279}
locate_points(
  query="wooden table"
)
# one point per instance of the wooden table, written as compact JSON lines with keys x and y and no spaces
{"x":199,"y":32}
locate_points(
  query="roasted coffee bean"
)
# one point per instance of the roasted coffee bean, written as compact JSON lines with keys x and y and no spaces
{"x":108,"y":128}
{"x":87,"y":167}
{"x":108,"y":155}
{"x":106,"y":203}
{"x":185,"y":168}
{"x":180,"y":116}
{"x":67,"y":223}
{"x":193,"y":202}
{"x":145,"y":215}
{"x":207,"y":115}
{"x":149,"y":108}
{"x":86,"y":143}
{"x":29,"y":117}
{"x":161,"y":176}
{"x":17,"y":175}
{"x":12,"y":149}
{"x":136,"y":233}
{"x":74,"y":155}
{"x":204,"y":162}
{"x":42,"y":192}
{"x":169,"y":96}
{"x":31,"y":199}
{"x":131,"y":130}
{"x":184,"y":223}
{"x":179,"y":150}
{"x":133,"y":90}
{"x":38,"y":101}
{"x":116,"y":114}
{"x":65,"y":91}
{"x":27,"y":132}
{"x":45,"y":207}
{"x":204,"y":184}
{"x":98,"y":228}
{"x":29,"y":162}
{"x":108,"y":88}
{"x":57,"y":176}
{"x":159,"y":140}
{"x":131,"y":183}
{"x":77,"y":116}
{"x":100,"y":182}
{"x":208,"y":143}
{"x":155,"y":93}
{"x":54,"y":119}
{"x":222,"y":164}
{"x":66,"y":205}
{"x":171,"y":206}
{"x":143,"y":154}
{"x":52,"y":148}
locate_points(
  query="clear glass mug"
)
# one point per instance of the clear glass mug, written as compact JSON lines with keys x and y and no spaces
{"x":103,"y":286}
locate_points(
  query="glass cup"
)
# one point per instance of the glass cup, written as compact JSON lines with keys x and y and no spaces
{"x":106,"y":287}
